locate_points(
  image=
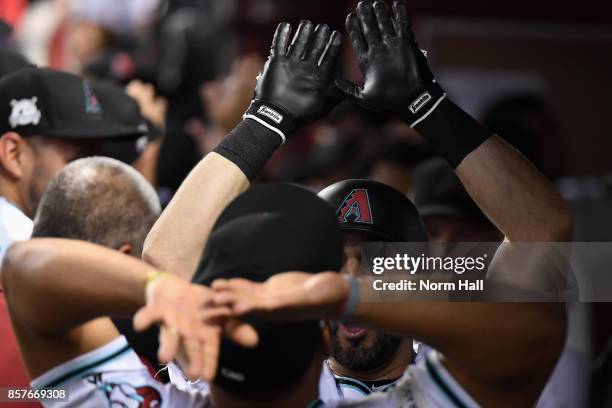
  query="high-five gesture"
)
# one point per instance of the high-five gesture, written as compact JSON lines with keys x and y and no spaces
{"x":288,"y":296}
{"x":296,"y":83}
{"x":397,"y":77}
{"x":191,"y":327}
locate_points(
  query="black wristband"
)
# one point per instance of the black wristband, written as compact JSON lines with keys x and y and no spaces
{"x":271,"y":116}
{"x":424,"y":103}
{"x":452,"y":132}
{"x":249,"y":145}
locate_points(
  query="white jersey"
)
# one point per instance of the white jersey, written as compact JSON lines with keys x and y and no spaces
{"x":14,"y":225}
{"x":426,"y":384}
{"x":177,"y":377}
{"x":333,"y":387}
{"x":113,"y":376}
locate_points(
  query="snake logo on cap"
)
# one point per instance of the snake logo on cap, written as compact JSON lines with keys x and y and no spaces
{"x":355,"y":208}
{"x":91,"y":101}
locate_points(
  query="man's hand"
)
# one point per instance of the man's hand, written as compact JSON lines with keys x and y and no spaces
{"x":226,"y":99}
{"x":286,"y":296}
{"x":191,"y":326}
{"x":152,"y":106}
{"x":296,"y":83}
{"x":397,"y":77}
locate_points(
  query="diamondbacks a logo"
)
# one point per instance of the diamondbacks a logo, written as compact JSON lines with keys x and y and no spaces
{"x":355,"y":207}
{"x":91,"y":102}
{"x":420,"y":102}
{"x":270,"y":113}
{"x":24,"y":112}
{"x":126,"y":395}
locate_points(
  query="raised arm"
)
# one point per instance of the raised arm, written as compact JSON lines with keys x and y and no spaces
{"x":510,"y":191}
{"x":176,"y":240}
{"x":295,"y":89}
{"x":502,"y":353}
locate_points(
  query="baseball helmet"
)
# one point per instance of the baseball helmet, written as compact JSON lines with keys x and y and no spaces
{"x":375,"y":208}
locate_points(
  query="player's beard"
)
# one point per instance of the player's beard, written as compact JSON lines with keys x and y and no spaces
{"x":361,"y":357}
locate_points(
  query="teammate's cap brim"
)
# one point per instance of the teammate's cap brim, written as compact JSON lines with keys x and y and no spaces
{"x":96,"y":129}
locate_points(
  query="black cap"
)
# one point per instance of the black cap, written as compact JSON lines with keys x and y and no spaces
{"x":120,"y":107}
{"x":439,"y":192}
{"x":12,"y":61}
{"x":269,"y":229}
{"x":41,"y":101}
{"x":375,"y":208}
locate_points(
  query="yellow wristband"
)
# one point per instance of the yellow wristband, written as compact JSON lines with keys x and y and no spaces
{"x":152,"y":276}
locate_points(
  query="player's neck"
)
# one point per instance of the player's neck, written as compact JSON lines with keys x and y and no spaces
{"x":392,"y":370}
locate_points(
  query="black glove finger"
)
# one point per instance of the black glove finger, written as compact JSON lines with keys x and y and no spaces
{"x":318,"y":44}
{"x":330,"y":56}
{"x":354,"y":31}
{"x":300,"y":40}
{"x":369,"y":25}
{"x":385,"y":25}
{"x":400,"y":19}
{"x":281,"y":39}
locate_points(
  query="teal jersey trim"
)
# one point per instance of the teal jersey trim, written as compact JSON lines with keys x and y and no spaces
{"x":443,"y":386}
{"x":89,"y":366}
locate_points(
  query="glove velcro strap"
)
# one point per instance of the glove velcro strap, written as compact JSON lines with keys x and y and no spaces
{"x":452,"y":132}
{"x":271,"y":116}
{"x":423,"y":105}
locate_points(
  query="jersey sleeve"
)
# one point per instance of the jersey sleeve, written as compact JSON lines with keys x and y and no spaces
{"x":114,"y":376}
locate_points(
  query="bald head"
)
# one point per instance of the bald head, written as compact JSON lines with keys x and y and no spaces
{"x":100,"y":200}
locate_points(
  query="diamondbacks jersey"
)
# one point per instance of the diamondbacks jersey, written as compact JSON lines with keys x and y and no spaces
{"x":333,"y":387}
{"x":114,"y":376}
{"x":426,"y":384}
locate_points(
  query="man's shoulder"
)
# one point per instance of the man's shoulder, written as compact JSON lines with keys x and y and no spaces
{"x":113,"y":375}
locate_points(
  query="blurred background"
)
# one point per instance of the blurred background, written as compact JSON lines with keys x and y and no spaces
{"x":536,"y":72}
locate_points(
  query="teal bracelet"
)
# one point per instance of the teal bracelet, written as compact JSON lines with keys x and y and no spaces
{"x":351,"y":303}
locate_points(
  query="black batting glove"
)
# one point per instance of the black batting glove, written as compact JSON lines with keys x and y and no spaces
{"x":296,"y":86}
{"x":397,"y":77}
{"x":399,"y":81}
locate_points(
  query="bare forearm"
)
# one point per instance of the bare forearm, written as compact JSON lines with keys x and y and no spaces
{"x":483,"y":339}
{"x":514,"y":195}
{"x":53,"y":285}
{"x":175,"y":242}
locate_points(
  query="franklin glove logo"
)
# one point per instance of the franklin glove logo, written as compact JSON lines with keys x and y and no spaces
{"x":270,"y":113}
{"x":420,"y":102}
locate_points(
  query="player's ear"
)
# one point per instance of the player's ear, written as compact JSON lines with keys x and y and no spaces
{"x":13,"y":149}
{"x":127,"y":249}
